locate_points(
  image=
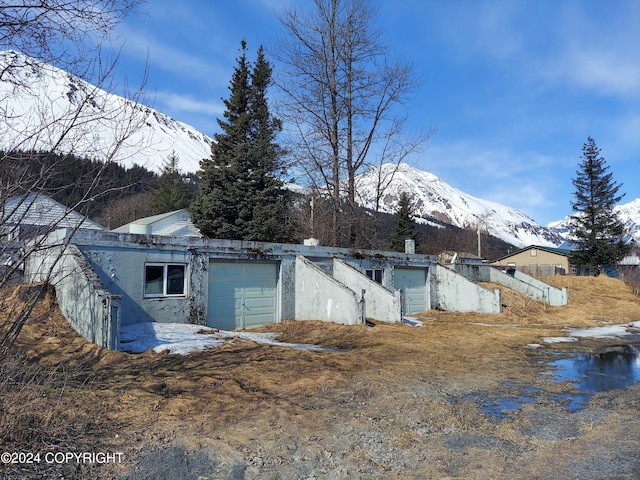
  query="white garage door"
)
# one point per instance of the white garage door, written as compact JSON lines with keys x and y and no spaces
{"x":242,"y":295}
{"x":413,"y":282}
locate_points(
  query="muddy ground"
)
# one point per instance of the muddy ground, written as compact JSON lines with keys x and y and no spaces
{"x":397,"y":402}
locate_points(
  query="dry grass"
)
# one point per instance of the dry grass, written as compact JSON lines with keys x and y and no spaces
{"x":59,"y":390}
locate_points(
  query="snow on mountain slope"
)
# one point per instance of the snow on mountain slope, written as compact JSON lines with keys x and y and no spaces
{"x":628,"y":213}
{"x":47,"y":109}
{"x":432,"y":198}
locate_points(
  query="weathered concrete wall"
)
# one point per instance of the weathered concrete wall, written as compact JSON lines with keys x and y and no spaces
{"x":122,"y":271}
{"x":452,"y":291}
{"x":552,"y":295}
{"x":515,"y":280}
{"x":83,"y":299}
{"x":287,"y":288}
{"x":379,"y":303}
{"x":475,"y":273}
{"x":320,"y":297}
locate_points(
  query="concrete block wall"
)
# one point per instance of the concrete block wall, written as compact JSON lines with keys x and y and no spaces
{"x":320,"y":297}
{"x":453,"y":291}
{"x":83,"y":299}
{"x":378,"y":302}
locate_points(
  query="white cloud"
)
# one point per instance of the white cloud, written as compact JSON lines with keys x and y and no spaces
{"x":165,"y":57}
{"x":531,"y":182}
{"x":187,"y":103}
{"x":586,"y":44}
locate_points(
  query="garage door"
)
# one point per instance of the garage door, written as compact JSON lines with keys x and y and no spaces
{"x":413,"y":282}
{"x":242,"y":295}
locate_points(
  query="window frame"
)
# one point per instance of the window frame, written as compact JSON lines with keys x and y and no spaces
{"x":371,"y":273}
{"x":165,"y":280}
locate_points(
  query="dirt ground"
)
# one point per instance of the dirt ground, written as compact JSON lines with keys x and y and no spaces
{"x":397,"y":402}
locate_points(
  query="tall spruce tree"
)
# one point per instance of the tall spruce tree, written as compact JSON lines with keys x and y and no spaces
{"x":404,"y":226}
{"x":171,"y":192}
{"x":597,"y":230}
{"x":268,"y":222}
{"x":240,"y":196}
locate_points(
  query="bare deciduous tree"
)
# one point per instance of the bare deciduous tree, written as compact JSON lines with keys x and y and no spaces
{"x":65,"y":33}
{"x":68,"y":33}
{"x":344,"y":97}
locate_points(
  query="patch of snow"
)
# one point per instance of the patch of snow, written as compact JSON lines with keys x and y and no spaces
{"x":559,"y":339}
{"x":610,"y":331}
{"x":414,"y":322}
{"x":182,"y":339}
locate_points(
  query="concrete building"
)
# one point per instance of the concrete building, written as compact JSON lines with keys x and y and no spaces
{"x":160,"y":269}
{"x":104,"y":280}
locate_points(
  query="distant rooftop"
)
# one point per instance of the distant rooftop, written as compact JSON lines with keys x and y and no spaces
{"x":39,"y":210}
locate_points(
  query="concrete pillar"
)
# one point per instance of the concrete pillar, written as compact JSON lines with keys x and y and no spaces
{"x":409,"y":246}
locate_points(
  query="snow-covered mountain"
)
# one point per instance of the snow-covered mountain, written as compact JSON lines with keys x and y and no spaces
{"x":47,"y":109}
{"x":432,"y":198}
{"x":628,"y":213}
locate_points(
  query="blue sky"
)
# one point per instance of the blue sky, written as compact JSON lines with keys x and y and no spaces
{"x":513,"y":88}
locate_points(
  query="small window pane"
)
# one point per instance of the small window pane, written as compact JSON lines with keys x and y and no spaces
{"x":153,"y":279}
{"x":375,"y":274}
{"x":175,"y":279}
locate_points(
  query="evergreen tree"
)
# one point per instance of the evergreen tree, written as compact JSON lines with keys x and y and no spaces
{"x":218,"y":209}
{"x":240,"y":196}
{"x":404,"y":226}
{"x":171,"y":191}
{"x":597,"y":230}
{"x":268,"y":222}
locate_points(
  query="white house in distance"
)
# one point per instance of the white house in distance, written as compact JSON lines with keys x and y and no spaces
{"x":177,"y":223}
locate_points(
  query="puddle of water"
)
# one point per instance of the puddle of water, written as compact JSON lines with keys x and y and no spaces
{"x":618,"y":367}
{"x":497,"y":409}
{"x":572,"y":403}
{"x":500,"y":408}
{"x":599,"y":372}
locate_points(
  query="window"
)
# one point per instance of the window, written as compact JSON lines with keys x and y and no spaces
{"x":164,"y":280}
{"x":375,"y":274}
{"x":534,"y":252}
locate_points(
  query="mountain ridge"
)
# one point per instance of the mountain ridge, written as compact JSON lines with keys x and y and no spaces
{"x":51,"y":110}
{"x":433,"y":198}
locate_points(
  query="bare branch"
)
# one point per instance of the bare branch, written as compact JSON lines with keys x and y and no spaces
{"x":345,"y":96}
